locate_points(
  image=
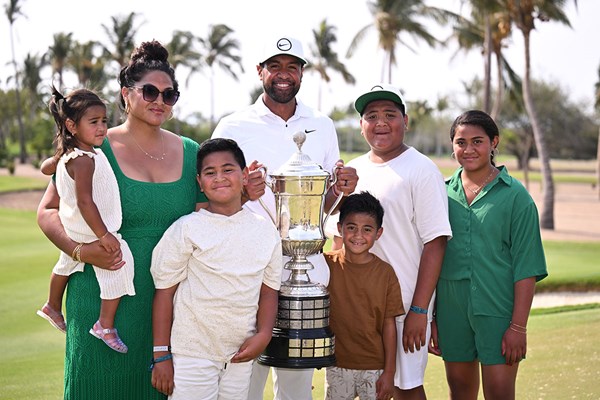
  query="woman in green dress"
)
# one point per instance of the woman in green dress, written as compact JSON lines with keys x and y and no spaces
{"x":156,"y":173}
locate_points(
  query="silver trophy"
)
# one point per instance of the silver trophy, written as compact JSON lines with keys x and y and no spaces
{"x":301,"y":336}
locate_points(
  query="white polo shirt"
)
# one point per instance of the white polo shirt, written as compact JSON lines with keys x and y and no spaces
{"x":265,"y":137}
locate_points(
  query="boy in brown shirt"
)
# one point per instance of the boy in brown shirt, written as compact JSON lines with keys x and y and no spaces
{"x":365,"y":298}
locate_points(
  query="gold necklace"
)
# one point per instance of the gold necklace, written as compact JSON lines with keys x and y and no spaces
{"x":162,"y":140}
{"x":478,"y":189}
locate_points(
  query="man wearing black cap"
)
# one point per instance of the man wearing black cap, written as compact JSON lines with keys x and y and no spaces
{"x":411,"y":189}
{"x":264,"y":132}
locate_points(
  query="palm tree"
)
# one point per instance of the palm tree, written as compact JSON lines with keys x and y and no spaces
{"x":220,"y":49}
{"x":182,"y":52}
{"x":324,"y":58}
{"x":523,"y":14}
{"x":481,"y":29}
{"x":59,"y":52}
{"x":121,"y":35}
{"x":88,"y":65}
{"x":13,"y":10}
{"x":392,"y":18}
{"x":33,"y":65}
{"x":506,"y":76}
{"x":488,"y":29}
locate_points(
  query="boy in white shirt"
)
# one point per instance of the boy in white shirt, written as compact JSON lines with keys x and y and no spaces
{"x":411,"y":189}
{"x":217,"y":273}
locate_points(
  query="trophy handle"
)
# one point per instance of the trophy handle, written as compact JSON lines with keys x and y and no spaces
{"x":269,"y":183}
{"x":339,"y":198}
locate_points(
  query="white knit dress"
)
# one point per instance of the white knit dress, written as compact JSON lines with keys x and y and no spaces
{"x":105,"y":193}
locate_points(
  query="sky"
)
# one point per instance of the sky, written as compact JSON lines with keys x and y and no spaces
{"x":567,"y":56}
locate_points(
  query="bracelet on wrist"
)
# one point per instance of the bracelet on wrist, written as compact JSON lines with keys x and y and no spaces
{"x":517,"y":328}
{"x":161,"y":348}
{"x":418,"y":310}
{"x":158,"y":360}
{"x":103,"y":236}
{"x":79,"y":252}
{"x":76,"y":255}
{"x":512,"y":328}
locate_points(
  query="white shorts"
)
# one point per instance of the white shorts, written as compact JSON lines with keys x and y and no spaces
{"x":410,"y":367}
{"x":343,"y":384}
{"x":199,"y":378}
{"x":288,"y":384}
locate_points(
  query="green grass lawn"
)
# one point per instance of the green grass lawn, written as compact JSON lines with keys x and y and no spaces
{"x":17,"y":183}
{"x":574,"y":266}
{"x":32,"y":356}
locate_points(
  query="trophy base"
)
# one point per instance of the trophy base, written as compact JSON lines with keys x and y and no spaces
{"x":308,"y":348}
{"x":301,"y":337}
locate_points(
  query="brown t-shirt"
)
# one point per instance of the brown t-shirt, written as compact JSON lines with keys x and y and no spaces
{"x":362,"y":296}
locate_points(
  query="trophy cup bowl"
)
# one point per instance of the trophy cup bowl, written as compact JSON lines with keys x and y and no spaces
{"x":301,"y":337}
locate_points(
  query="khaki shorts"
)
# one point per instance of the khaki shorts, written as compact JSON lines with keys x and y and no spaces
{"x":342,"y":383}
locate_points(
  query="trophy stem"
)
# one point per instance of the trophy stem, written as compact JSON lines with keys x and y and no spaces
{"x":298,"y":266}
{"x":299,"y":283}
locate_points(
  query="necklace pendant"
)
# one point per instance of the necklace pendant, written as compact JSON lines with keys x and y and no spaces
{"x":164,"y":153}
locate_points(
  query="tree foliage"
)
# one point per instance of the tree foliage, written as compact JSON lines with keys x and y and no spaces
{"x":395,"y":19}
{"x":570,"y":132}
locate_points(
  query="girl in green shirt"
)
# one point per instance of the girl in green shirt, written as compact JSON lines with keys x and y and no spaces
{"x":490,"y":267}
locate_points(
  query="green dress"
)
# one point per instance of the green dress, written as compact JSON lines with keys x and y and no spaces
{"x":92,"y":369}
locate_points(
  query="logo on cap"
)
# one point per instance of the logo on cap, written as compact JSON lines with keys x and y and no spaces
{"x":377,"y":87}
{"x":284,"y":44}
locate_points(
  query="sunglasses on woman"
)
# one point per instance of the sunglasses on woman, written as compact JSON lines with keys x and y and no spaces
{"x":150,"y":93}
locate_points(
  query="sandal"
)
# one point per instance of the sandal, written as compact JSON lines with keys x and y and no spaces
{"x":114,"y":342}
{"x":55,"y":318}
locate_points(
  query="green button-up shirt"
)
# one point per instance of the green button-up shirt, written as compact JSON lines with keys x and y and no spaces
{"x":496,"y":242}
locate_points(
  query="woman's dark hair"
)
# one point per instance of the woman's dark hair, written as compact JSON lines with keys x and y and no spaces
{"x":477,"y":118}
{"x":148,"y":56}
{"x":220,"y":144}
{"x":73,"y":107}
{"x":364,"y":203}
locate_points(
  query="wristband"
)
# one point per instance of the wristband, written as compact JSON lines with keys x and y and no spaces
{"x":161,"y":348}
{"x":159,"y":359}
{"x":418,"y":310}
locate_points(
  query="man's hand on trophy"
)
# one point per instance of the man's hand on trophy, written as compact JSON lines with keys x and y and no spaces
{"x":346,"y":178}
{"x":255,"y":186}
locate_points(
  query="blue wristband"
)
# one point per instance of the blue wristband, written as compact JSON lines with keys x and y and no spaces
{"x":418,"y":310}
{"x":159,"y":359}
